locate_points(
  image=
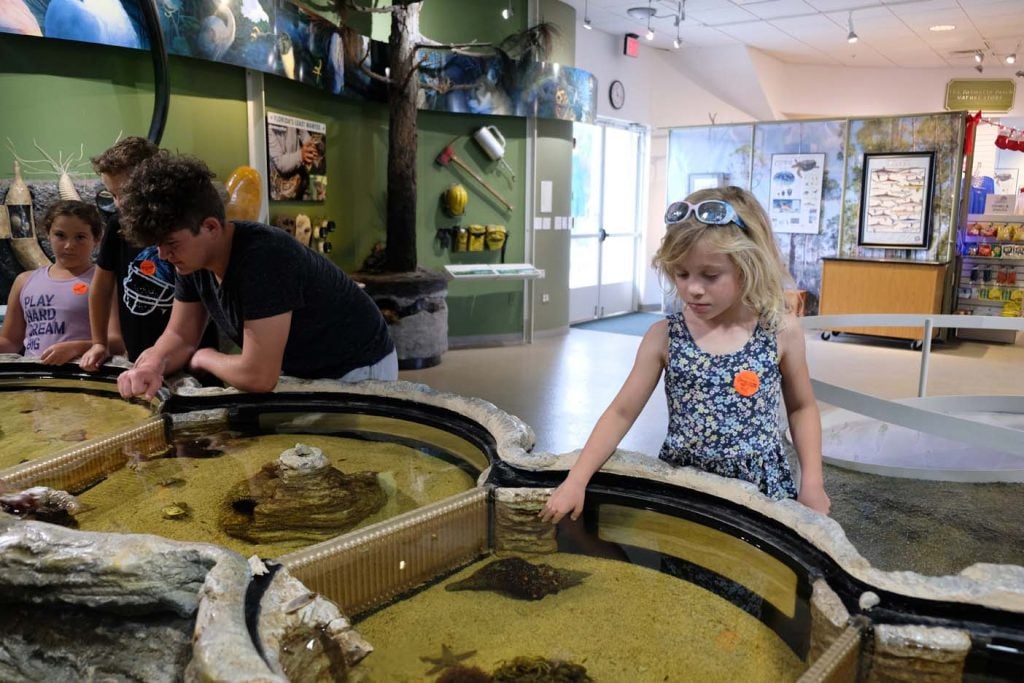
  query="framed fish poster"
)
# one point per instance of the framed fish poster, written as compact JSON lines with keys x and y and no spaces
{"x":795,"y":191}
{"x":896,"y":200}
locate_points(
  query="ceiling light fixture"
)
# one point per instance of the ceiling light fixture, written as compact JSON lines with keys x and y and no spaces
{"x":648,"y":13}
{"x":507,"y":12}
{"x":942,"y":27}
{"x":978,"y":56}
{"x":586,"y":15}
{"x":851,"y":37}
{"x":680,"y":18}
{"x":1012,"y":57}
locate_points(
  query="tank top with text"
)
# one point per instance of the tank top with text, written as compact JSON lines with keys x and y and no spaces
{"x":724,"y":410}
{"x":55,"y":310}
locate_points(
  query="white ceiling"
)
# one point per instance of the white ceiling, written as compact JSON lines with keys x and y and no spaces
{"x":891,"y":32}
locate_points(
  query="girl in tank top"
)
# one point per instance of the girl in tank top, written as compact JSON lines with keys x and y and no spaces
{"x":729,"y":358}
{"x":48,"y":308}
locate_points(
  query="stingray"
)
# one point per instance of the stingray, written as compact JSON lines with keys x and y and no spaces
{"x":519,"y":579}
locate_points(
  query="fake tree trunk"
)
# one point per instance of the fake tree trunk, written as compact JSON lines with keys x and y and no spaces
{"x":402,"y":95}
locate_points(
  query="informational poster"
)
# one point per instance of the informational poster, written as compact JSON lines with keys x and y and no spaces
{"x":796,"y":192}
{"x":298,"y":161}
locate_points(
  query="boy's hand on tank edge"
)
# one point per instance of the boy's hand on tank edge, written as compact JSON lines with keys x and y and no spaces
{"x":93,"y":358}
{"x":139,"y":382}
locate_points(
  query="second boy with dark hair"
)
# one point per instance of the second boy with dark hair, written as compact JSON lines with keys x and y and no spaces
{"x":144,"y":283}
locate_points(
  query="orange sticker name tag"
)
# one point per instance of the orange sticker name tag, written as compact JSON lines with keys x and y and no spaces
{"x":79,"y":288}
{"x":746,"y":382}
{"x":147,"y":267}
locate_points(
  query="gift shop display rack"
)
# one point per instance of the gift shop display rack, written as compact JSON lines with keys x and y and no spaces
{"x":991,"y":274}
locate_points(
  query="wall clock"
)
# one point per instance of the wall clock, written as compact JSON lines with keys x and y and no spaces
{"x":617,"y":94}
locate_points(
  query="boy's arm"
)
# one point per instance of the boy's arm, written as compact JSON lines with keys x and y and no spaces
{"x":804,"y":417}
{"x":101,"y":298}
{"x":258,"y":367}
{"x":612,"y":425}
{"x":12,"y":335}
{"x":169,"y":354}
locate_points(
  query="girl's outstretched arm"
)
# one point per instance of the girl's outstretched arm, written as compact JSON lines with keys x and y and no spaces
{"x":804,"y":418}
{"x":612,"y":425}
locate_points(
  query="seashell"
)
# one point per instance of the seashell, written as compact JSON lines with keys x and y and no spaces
{"x":176,"y":511}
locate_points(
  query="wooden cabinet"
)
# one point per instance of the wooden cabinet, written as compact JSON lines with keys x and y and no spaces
{"x":882,"y":286}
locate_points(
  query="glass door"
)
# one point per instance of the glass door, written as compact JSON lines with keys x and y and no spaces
{"x":607,"y":178}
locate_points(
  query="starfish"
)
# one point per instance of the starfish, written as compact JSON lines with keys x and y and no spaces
{"x":447,"y":659}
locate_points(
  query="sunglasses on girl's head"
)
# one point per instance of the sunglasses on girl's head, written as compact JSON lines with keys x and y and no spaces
{"x":709,"y":212}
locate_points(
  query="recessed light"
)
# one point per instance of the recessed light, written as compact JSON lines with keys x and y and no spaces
{"x":942,"y":27}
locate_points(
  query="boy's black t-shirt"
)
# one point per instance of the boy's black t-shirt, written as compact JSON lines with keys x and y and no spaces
{"x":335,"y":326}
{"x":145,"y":290}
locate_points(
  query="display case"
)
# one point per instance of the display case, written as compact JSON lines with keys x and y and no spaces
{"x":991,"y":271}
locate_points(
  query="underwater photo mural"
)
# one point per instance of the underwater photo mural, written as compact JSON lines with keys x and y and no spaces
{"x":294,"y":42}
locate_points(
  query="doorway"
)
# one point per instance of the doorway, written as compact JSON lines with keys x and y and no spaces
{"x":608,"y":177}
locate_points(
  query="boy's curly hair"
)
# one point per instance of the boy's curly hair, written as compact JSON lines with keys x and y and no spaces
{"x":87,"y":213}
{"x":124,"y":155}
{"x":167,"y":193}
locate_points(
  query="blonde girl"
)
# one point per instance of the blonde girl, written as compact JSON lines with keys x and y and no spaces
{"x":728,"y":359}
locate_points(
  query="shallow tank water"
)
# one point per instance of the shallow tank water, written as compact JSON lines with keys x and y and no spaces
{"x":673,"y":557}
{"x":48,"y":409}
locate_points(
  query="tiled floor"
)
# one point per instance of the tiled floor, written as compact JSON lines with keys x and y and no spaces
{"x":561,"y":385}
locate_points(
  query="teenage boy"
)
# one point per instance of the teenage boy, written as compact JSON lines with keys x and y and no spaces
{"x":288,"y":308}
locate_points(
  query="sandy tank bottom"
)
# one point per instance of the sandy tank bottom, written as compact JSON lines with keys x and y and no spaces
{"x":623,"y":623}
{"x":135,"y":499}
{"x":40,"y":423}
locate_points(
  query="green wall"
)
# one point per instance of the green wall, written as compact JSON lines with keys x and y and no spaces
{"x":63,"y":94}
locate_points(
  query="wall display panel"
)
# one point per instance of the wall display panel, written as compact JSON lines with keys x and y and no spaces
{"x":697,"y":153}
{"x":291,"y":41}
{"x":803,"y":253}
{"x":939,"y":133}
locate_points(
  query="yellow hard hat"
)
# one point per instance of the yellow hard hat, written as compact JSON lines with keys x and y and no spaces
{"x":454,"y":199}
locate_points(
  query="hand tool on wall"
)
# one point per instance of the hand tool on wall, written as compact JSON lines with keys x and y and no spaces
{"x":447,"y":156}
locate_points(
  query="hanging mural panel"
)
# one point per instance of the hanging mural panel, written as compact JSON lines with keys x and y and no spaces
{"x":283,"y":39}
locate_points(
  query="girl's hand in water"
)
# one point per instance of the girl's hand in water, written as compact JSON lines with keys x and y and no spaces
{"x":567,"y":499}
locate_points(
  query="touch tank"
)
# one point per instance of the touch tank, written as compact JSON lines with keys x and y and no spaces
{"x":664,"y":560}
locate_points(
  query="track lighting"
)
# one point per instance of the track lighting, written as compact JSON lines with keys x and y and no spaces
{"x":980,"y":68}
{"x":586,"y":15}
{"x":851,"y":37}
{"x":978,"y":56}
{"x":650,"y":12}
{"x":1011,"y":58}
{"x":507,"y":12}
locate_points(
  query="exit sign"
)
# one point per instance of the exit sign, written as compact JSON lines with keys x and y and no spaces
{"x":631,"y":48}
